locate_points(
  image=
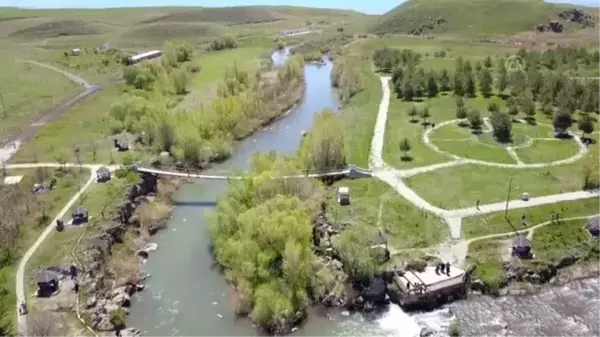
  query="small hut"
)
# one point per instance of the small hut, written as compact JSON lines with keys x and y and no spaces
{"x":103,"y":174}
{"x":47,"y":283}
{"x":76,"y":51}
{"x":80,"y":215}
{"x":343,"y":195}
{"x":521,"y":246}
{"x":121,"y":145}
{"x":594,"y":226}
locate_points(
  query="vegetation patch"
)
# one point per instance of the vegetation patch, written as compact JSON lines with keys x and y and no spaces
{"x":375,"y":204}
{"x":58,"y":28}
{"x":547,"y":151}
{"x":496,"y":223}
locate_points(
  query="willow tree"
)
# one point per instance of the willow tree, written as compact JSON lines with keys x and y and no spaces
{"x":325,"y":148}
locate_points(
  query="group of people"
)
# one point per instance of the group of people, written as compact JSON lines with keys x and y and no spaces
{"x":443,"y":268}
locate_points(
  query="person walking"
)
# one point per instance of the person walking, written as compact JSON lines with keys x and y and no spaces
{"x":477,"y":204}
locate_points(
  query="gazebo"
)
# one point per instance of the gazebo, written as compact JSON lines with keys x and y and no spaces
{"x":47,"y":283}
{"x":80,"y":215}
{"x":103,"y":174}
{"x":521,"y":246}
{"x":594,"y":226}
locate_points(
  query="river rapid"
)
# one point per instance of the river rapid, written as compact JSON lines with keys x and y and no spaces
{"x":187,"y":296}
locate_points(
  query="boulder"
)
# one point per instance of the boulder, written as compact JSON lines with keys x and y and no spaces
{"x":131,"y":332}
{"x":122,"y":300}
{"x":426,"y":332}
{"x":91,"y":301}
{"x":104,"y":324}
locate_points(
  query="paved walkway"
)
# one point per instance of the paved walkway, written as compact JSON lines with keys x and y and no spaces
{"x":394,"y":177}
{"x":20,"y":276}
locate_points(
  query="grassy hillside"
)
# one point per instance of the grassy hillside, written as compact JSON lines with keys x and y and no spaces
{"x":469,"y":17}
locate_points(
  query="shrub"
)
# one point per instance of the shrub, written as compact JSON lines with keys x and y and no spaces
{"x":416,"y":265}
{"x":118,"y":318}
{"x":453,"y":330}
{"x":226,"y":42}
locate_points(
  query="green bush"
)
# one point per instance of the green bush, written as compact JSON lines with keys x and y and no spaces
{"x":454,"y":330}
{"x":118,"y":318}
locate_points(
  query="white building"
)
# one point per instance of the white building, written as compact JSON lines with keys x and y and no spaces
{"x":145,"y":56}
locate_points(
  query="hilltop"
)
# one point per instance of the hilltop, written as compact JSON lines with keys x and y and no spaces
{"x":141,"y":26}
{"x":476,"y":17}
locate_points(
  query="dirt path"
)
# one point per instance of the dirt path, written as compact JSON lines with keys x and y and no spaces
{"x":20,"y":276}
{"x":22,"y":136}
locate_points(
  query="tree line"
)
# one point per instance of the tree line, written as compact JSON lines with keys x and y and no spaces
{"x":538,"y":87}
{"x":243,"y":102}
{"x":347,"y":77}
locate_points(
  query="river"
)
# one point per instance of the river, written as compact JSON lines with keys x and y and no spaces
{"x":187,"y":296}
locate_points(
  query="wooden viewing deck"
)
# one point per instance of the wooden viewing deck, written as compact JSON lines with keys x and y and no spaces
{"x":426,"y":287}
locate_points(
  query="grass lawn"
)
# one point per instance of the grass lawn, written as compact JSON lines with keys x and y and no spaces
{"x":81,"y":126}
{"x":203,"y":84}
{"x":495,"y":223}
{"x":462,"y":186}
{"x":546,"y":151}
{"x":554,"y":241}
{"x":475,"y":149}
{"x":407,"y":226}
{"x":27,"y":92}
{"x":359,"y":116}
{"x":487,"y":256}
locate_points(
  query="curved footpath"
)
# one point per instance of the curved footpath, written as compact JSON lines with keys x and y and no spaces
{"x":26,"y":134}
{"x":453,"y":250}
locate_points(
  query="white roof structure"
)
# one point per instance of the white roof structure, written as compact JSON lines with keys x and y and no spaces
{"x":343,"y":190}
{"x":12,"y":180}
{"x":142,"y":56}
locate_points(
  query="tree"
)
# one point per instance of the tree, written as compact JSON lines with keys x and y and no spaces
{"x":528,"y":106}
{"x":486,"y":82}
{"x":94,"y":150}
{"x":461,"y":112}
{"x":589,"y":173}
{"x":459,"y":85}
{"x":501,"y":126}
{"x":501,"y":81}
{"x":566,"y":97}
{"x":513,"y":108}
{"x":517,"y":83}
{"x":460,"y":102}
{"x":355,"y":249}
{"x":326,"y":148}
{"x":562,"y":121}
{"x":413,"y":112}
{"x":487,"y":62}
{"x":180,"y":81}
{"x":432,"y":86}
{"x":118,"y":318}
{"x":478,"y":66}
{"x":470,"y":86}
{"x":61,"y":158}
{"x":405,"y":147}
{"x":425,"y":114}
{"x":444,"y":80}
{"x":493,"y":106}
{"x":585,"y":124}
{"x":475,"y":120}
{"x":407,"y":90}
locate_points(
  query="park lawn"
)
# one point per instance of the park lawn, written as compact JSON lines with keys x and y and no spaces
{"x":495,"y":223}
{"x":487,"y":256}
{"x":461,"y":186}
{"x":474,"y":149}
{"x":451,"y":132}
{"x":554,"y":241}
{"x":81,"y":126}
{"x":546,"y":151}
{"x":542,"y":130}
{"x":399,"y":126}
{"x":359,"y":115}
{"x":27,"y":92}
{"x":406,"y":225}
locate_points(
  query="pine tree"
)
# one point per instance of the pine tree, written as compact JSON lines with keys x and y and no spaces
{"x":432,"y":86}
{"x":562,"y":120}
{"x":513,"y":108}
{"x":486,"y":83}
{"x":585,"y":124}
{"x":444,"y":80}
{"x":407,"y":90}
{"x":425,"y":114}
{"x":487,"y":62}
{"x":413,"y":112}
{"x":502,"y":80}
{"x":470,"y":86}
